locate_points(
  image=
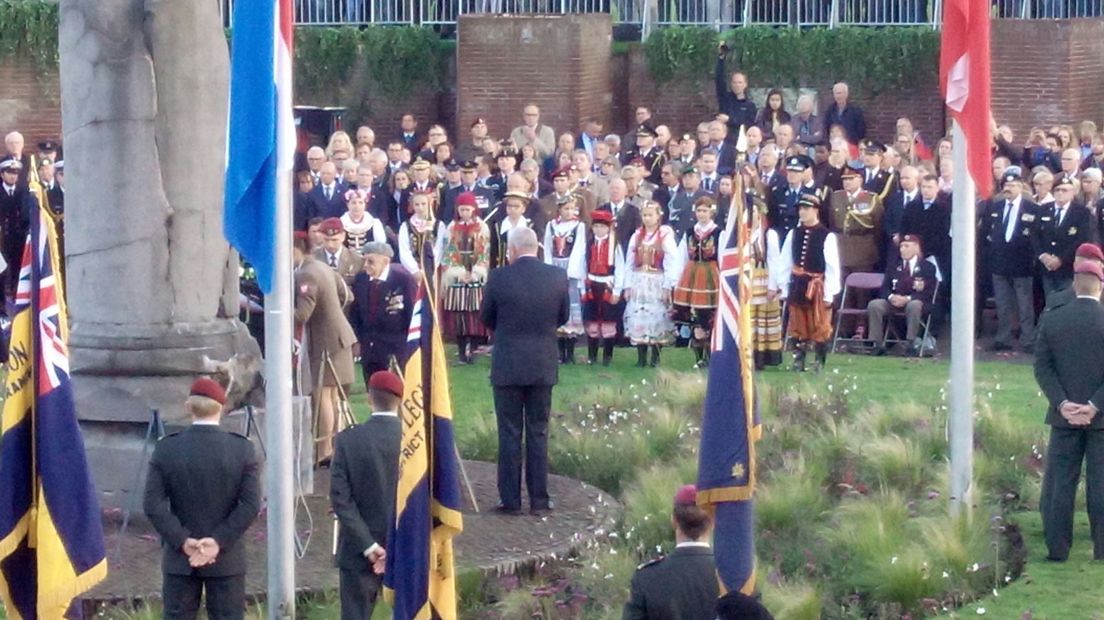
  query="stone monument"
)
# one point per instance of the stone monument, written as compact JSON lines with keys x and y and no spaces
{"x":151,"y":282}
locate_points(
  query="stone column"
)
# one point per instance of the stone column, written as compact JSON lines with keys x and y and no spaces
{"x":151,"y":295}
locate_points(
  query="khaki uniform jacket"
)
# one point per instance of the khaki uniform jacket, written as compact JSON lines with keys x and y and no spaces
{"x":318,"y":308}
{"x":858,"y":225}
{"x":349,"y":262}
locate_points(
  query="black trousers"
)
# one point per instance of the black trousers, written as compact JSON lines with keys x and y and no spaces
{"x":1068,"y":448}
{"x":369,"y":368}
{"x":523,"y":409}
{"x":359,"y":589}
{"x":225,"y":596}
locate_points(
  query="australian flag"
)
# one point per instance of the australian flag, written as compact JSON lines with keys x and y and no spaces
{"x":730,"y":425}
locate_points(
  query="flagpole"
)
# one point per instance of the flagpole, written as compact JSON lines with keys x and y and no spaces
{"x":961,"y":422}
{"x":278,"y":413}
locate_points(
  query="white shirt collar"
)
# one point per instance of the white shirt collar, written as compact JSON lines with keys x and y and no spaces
{"x":205,"y":422}
{"x":692,"y":543}
{"x":390,"y":414}
{"x":383,"y":274}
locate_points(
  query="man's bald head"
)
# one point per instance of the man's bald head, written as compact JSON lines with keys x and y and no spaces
{"x":522,"y":242}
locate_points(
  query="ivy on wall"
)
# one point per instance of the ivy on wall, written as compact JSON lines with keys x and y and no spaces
{"x":30,"y":29}
{"x":872,"y":60}
{"x":399,"y":59}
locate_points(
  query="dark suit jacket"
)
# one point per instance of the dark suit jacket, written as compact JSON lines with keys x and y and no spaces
{"x":628,"y":220}
{"x":934,"y":227}
{"x":1062,"y":240}
{"x":15,"y":213}
{"x":1069,"y":361}
{"x":1015,"y":258}
{"x":895,"y":206}
{"x":524,"y":303}
{"x":851,"y":119}
{"x":203,"y":483}
{"x":363,"y":475}
{"x":447,"y":211}
{"x":920,"y":284}
{"x":681,"y":586}
{"x":381,"y":320}
{"x":320,"y":207}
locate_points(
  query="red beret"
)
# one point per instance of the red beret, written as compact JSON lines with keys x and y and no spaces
{"x":686,"y":495}
{"x":301,"y":235}
{"x":1090,"y":250}
{"x":386,"y":381}
{"x":465,"y":199}
{"x":601,"y":217}
{"x":913,"y":237}
{"x":210,"y":388}
{"x":1090,"y":268}
{"x":562,"y":171}
{"x":331,"y":226}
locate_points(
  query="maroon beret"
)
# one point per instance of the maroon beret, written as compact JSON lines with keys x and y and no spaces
{"x":913,"y":237}
{"x":686,"y":495}
{"x":301,"y":235}
{"x":386,"y":381}
{"x":331,"y":226}
{"x":1090,"y":250}
{"x":563,"y":171}
{"x":210,"y":388}
{"x":466,"y":199}
{"x":1091,"y":268}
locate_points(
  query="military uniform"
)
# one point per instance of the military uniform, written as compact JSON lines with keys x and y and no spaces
{"x":857,"y":220}
{"x":203,"y":482}
{"x":915,"y":279}
{"x":680,"y":586}
{"x":783,"y":200}
{"x":318,"y":308}
{"x":346,"y":262}
{"x":1059,"y":232}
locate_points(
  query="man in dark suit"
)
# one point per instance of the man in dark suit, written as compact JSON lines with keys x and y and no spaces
{"x":201,"y":494}
{"x":408,"y":133}
{"x":362,"y":492}
{"x":909,"y":287}
{"x":895,"y":205}
{"x":524,"y":302}
{"x":1069,"y":367}
{"x":626,"y":215}
{"x":383,"y":300}
{"x":845,"y":114}
{"x":876,"y":179}
{"x":1006,"y":232}
{"x":683,"y":585}
{"x":328,"y":197}
{"x":1064,"y":226}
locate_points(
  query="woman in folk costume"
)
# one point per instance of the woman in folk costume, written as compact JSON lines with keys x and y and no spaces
{"x":516,"y":203}
{"x":361,"y":227}
{"x":653,"y":268}
{"x":565,"y":247}
{"x":695,"y":298}
{"x":602,"y":309}
{"x":765,"y":303}
{"x":465,"y":261}
{"x":422,"y":239}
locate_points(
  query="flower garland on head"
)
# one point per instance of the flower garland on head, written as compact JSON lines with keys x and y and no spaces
{"x":363,"y":193}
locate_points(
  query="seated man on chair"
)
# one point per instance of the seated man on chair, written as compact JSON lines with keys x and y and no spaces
{"x":909,"y":287}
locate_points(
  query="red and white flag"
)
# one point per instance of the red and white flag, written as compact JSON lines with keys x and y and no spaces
{"x":964,"y":79}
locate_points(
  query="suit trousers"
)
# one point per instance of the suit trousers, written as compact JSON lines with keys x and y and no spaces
{"x":523,"y":409}
{"x":1067,"y":448}
{"x":1014,"y":296}
{"x":1054,"y":283}
{"x":225,"y":596}
{"x":359,"y":589}
{"x":370,"y":368}
{"x":878,"y":309}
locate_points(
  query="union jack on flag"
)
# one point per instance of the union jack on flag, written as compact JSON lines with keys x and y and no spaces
{"x":730,"y":425}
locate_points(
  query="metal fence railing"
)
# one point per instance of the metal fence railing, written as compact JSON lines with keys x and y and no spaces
{"x":715,"y":13}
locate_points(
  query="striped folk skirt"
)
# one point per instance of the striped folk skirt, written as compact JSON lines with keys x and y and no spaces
{"x":462,"y":303}
{"x":766,"y":322}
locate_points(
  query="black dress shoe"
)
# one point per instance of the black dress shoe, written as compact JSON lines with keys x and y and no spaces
{"x":541,"y":510}
{"x":508,"y":511}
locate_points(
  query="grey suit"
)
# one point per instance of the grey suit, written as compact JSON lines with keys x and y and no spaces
{"x":1069,"y":365}
{"x":362,"y":490}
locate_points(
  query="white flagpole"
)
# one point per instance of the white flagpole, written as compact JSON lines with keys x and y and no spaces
{"x":279,"y":467}
{"x":961,"y":422}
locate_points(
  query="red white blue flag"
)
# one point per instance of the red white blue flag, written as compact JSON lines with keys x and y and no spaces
{"x":261,"y":139}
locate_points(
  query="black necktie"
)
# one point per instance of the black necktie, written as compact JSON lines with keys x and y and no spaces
{"x":329,"y":193}
{"x":1007,"y":212}
{"x":1058,"y":216}
{"x":333,"y":261}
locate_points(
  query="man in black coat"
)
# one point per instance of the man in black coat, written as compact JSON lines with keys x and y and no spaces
{"x":383,"y":301}
{"x":16,"y":205}
{"x":524,"y":302}
{"x":202,"y":492}
{"x":328,"y":197}
{"x":1006,"y":232}
{"x":909,"y":287}
{"x":683,"y":585}
{"x":732,"y":99}
{"x":1062,"y":227}
{"x":363,"y":476}
{"x":1069,"y":367}
{"x":845,"y":114}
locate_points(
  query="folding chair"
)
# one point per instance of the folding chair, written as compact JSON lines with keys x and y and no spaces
{"x":897,"y":314}
{"x":857,"y":281}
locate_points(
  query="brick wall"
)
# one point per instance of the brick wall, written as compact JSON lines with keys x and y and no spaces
{"x":559,"y":62}
{"x":1047,"y":72}
{"x":29,"y":102}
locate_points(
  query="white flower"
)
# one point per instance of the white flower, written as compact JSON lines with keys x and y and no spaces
{"x":981,"y":611}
